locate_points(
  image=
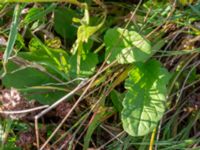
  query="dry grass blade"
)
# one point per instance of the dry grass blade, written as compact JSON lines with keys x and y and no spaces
{"x":24,"y":111}
{"x":116,"y":137}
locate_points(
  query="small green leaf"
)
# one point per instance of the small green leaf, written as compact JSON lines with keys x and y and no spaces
{"x":116,"y":100}
{"x":87,"y":66}
{"x":53,"y":43}
{"x":126,"y":46}
{"x":144,"y":103}
{"x":19,"y":42}
{"x":84,"y":33}
{"x":35,"y":14}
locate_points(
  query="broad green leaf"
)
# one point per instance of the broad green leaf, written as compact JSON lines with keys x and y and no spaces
{"x":38,"y":48}
{"x":14,"y":73}
{"x":126,"y":46}
{"x":63,"y":23}
{"x":21,"y":78}
{"x":144,"y":103}
{"x":25,"y":77}
{"x":48,"y":63}
{"x":54,"y":60}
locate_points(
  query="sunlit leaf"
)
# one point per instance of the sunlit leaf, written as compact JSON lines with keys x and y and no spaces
{"x":38,"y":48}
{"x":126,"y":46}
{"x":144,"y":103}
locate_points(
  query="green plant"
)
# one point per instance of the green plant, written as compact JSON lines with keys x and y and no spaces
{"x":100,"y":68}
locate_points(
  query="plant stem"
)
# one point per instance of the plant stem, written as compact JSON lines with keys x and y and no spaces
{"x":75,"y":2}
{"x":152,"y":139}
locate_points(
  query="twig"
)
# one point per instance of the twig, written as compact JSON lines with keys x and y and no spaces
{"x":158,"y":134}
{"x":121,"y":133}
{"x":66,"y":83}
{"x":23,"y":111}
{"x":111,"y":133}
